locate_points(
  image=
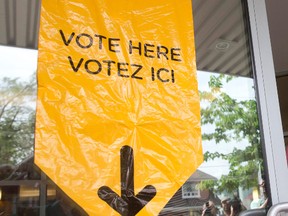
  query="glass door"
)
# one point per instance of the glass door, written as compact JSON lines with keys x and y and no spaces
{"x":245,"y":164}
{"x":271,"y":125}
{"x":238,"y":165}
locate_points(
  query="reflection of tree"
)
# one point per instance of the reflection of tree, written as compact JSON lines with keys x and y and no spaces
{"x":17,"y":118}
{"x":233,"y":121}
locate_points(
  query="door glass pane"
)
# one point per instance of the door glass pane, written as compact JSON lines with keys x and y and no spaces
{"x":59,"y":204}
{"x":19,"y":200}
{"x":20,"y":178}
{"x":283,"y":100}
{"x":17,"y":104}
{"x":233,"y":166}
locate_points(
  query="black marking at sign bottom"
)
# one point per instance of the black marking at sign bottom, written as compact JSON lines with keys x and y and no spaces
{"x":128,"y":204}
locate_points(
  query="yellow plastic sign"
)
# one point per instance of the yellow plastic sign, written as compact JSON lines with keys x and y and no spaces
{"x":118,"y":114}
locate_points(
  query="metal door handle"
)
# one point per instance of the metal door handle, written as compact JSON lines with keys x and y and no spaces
{"x":277,"y":208}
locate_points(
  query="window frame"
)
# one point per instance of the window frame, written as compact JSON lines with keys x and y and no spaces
{"x":192,"y":185}
{"x":270,"y":118}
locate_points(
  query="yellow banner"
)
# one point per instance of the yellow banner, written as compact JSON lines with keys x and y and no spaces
{"x":118,"y":114}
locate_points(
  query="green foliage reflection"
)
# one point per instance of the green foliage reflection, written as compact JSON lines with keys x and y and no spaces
{"x":233,"y":121}
{"x":17,"y":119}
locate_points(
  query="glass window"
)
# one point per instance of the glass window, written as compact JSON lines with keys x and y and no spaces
{"x":232,"y":173}
{"x":17,"y":104}
{"x":190,"y":190}
{"x":229,"y":117}
{"x":24,"y":189}
{"x":283,"y":100}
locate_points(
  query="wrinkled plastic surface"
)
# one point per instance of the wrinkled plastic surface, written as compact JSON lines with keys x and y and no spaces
{"x":118,"y":114}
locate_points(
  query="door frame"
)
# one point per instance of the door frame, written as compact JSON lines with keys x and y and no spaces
{"x":270,"y":118}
